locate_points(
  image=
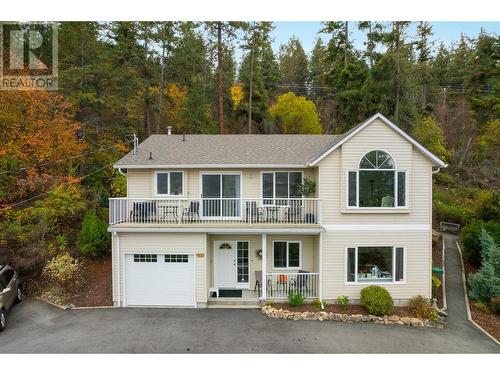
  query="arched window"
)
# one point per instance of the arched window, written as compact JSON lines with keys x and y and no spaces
{"x":225,"y":246}
{"x":376,"y":182}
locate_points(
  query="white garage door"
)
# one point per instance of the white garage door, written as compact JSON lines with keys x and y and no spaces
{"x":159,"y":279}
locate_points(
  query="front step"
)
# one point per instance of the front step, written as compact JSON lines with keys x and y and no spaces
{"x":231,"y":303}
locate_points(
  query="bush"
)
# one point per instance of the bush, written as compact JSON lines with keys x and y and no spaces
{"x":295,"y":299}
{"x":317,"y":303}
{"x":343,"y":301}
{"x":451,"y":212}
{"x":482,"y":307}
{"x":377,"y":300}
{"x":495,"y":305}
{"x":485,"y":284}
{"x":422,"y":308}
{"x":436,"y":282}
{"x":62,"y":268}
{"x":93,"y":239}
{"x":470,"y":238}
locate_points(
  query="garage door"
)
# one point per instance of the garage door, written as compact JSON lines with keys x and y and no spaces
{"x":159,"y":279}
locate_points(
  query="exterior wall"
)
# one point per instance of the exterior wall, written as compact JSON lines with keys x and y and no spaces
{"x":418,"y":265}
{"x":188,"y":243}
{"x":140,"y":182}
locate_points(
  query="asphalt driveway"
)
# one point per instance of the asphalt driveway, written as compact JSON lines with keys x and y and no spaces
{"x":34,"y":327}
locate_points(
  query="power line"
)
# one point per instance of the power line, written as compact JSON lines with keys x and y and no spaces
{"x":68,"y":183}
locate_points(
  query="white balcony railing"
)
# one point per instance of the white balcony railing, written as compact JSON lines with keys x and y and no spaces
{"x":280,"y":285}
{"x":300,"y":211}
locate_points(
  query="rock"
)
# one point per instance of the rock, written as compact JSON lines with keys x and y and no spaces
{"x":393,"y":318}
{"x":406,"y":320}
{"x":416,"y":322}
{"x":399,"y":322}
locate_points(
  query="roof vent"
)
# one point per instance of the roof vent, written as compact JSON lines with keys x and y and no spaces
{"x":150,"y":156}
{"x":169,"y":130}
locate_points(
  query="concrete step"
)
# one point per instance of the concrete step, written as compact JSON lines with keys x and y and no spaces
{"x":231,"y":302}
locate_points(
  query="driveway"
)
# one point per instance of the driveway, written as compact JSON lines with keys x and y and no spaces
{"x":34,"y":327}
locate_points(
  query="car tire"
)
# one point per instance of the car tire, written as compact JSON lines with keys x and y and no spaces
{"x":19,"y":294}
{"x":3,"y":320}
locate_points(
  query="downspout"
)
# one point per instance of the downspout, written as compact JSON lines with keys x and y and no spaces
{"x":121,"y":172}
{"x":117,"y":255}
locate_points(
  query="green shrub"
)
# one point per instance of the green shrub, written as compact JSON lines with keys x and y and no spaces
{"x":94,"y":238}
{"x":62,"y":268}
{"x":343,"y":301}
{"x":422,"y":308}
{"x":377,"y":300}
{"x":436,"y":282}
{"x":317,"y":303}
{"x":451,"y":212}
{"x":295,"y":299}
{"x":485,"y":284}
{"x":495,"y":305}
{"x":470,"y":238}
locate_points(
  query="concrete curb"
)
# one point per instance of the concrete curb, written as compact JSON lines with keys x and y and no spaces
{"x":67,"y":307}
{"x":443,"y":284}
{"x":469,"y":316}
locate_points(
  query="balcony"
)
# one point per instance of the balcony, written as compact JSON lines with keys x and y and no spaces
{"x":225,"y":211}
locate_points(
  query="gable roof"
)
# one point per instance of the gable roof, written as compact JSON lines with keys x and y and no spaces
{"x":228,"y":151}
{"x":351,"y":133}
{"x":247,"y":150}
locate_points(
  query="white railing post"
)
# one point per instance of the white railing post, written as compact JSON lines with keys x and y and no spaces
{"x":264,"y":265}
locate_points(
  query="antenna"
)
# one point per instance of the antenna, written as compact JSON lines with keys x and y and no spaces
{"x":136,"y":144}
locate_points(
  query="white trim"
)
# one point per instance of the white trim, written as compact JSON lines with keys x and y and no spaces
{"x":274,"y":185}
{"x":117,"y":255}
{"x":155,"y":184}
{"x":374,"y":168}
{"x":381,"y":283}
{"x":213,"y":230}
{"x":288,"y":242}
{"x":208,"y":166}
{"x":360,"y":127}
{"x":220,"y":173}
{"x":321,"y":269}
{"x":263,"y":239}
{"x":377,"y":227}
{"x":396,"y":197}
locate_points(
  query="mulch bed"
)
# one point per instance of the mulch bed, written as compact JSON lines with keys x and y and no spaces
{"x":437,"y":261}
{"x":92,"y":286}
{"x":335,"y":308}
{"x":487,"y":320}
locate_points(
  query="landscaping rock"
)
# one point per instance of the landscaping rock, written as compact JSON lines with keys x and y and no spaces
{"x":416,"y":322}
{"x":393,"y":318}
{"x":406,"y":320}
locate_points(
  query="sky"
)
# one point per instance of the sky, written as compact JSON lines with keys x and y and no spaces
{"x":307,"y":32}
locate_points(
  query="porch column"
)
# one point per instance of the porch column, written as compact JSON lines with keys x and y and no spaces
{"x":320,"y":286}
{"x":264,"y":266}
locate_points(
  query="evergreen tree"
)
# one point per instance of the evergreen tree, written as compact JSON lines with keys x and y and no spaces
{"x":293,"y":64}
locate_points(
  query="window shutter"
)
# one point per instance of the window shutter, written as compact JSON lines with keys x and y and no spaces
{"x":352,"y":188}
{"x":401,"y":189}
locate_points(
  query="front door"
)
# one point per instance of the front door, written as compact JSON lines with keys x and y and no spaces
{"x":231,"y":267}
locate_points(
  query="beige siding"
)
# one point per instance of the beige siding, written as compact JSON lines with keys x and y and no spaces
{"x":188,"y":243}
{"x":333,"y":187}
{"x":140,"y":182}
{"x":418,"y":254}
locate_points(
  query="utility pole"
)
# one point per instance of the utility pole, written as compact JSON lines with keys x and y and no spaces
{"x":221,"y":78}
{"x":250,"y":94}
{"x":346,"y":42}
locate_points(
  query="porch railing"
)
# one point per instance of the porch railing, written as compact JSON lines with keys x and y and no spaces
{"x":214,"y":211}
{"x":280,"y":285}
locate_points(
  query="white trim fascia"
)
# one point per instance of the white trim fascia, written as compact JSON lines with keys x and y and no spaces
{"x":377,"y":227}
{"x":421,"y":148}
{"x":209,"y":166}
{"x":212,"y":230}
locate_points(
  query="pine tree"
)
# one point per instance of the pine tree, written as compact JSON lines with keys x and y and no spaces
{"x":293,"y":64}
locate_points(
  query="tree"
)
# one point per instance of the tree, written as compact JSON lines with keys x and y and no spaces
{"x":93,"y":238}
{"x":293,"y":63}
{"x":430,"y":135}
{"x":424,"y":32}
{"x":373,"y":38}
{"x":295,"y":115}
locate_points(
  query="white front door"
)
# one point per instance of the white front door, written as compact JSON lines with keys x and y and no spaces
{"x":225,"y":264}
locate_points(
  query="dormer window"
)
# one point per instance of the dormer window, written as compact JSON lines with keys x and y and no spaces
{"x":169,"y":183}
{"x":377,"y":183}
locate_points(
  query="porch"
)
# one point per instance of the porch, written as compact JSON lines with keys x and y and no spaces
{"x":262,"y":266}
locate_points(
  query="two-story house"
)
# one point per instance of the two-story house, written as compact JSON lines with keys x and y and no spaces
{"x":216,"y":218}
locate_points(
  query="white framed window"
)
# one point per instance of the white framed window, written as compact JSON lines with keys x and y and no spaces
{"x":287,"y":254}
{"x":375,"y":265}
{"x":278,"y":186}
{"x":377,"y":183}
{"x":169,"y":183}
{"x":145,"y":258}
